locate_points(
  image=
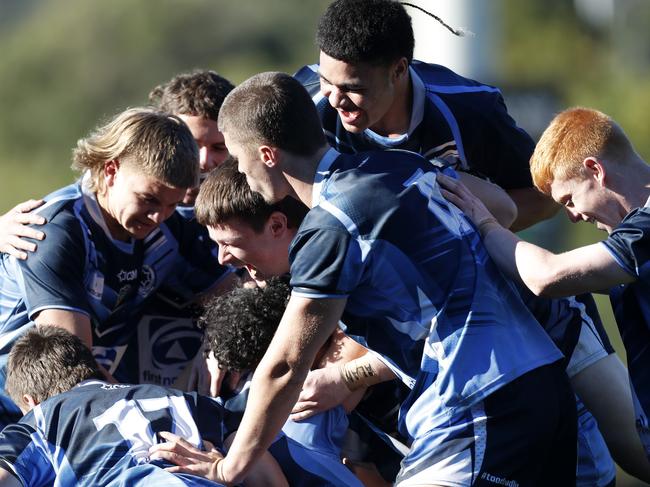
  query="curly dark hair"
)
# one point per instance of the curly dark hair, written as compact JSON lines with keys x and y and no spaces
{"x":377,"y":32}
{"x":198,"y":94}
{"x":239,"y":325}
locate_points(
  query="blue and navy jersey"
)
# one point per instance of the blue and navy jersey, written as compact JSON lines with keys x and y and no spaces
{"x":167,"y":337}
{"x":454,"y":119}
{"x":418,"y":282}
{"x":99,"y":433}
{"x":629,"y":245}
{"x":80,"y":268}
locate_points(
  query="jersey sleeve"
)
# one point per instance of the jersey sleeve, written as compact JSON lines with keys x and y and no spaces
{"x":325,"y":262}
{"x":23,"y":458}
{"x":504,"y":150}
{"x":309,"y":78}
{"x":629,"y":244}
{"x":52,"y":277}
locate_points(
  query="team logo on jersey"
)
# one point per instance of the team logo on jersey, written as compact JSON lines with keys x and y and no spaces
{"x":147,"y":280}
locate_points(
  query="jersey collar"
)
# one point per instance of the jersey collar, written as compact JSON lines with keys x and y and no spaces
{"x":322,"y":172}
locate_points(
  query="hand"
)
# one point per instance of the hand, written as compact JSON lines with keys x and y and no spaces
{"x":323,"y":389}
{"x":186,"y":457}
{"x":13,"y":226}
{"x":458,"y":194}
{"x":206,"y":377}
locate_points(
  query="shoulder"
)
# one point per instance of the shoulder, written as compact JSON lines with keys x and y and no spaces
{"x":308,"y":77}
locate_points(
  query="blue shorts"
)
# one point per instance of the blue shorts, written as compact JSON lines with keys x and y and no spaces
{"x":524,"y":434}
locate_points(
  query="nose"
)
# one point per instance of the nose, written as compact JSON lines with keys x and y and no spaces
{"x":574,"y":216}
{"x":224,"y":256}
{"x":160,"y":215}
{"x":205,"y":161}
{"x":335,"y":96}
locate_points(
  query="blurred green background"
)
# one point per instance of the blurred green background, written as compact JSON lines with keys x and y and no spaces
{"x":67,"y":64}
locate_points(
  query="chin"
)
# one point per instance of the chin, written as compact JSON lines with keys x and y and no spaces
{"x":354,"y":129}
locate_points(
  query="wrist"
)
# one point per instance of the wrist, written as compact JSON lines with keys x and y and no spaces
{"x":487,"y":225}
{"x":220,"y":475}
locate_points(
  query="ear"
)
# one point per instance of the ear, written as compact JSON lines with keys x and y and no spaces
{"x":111,"y":169}
{"x":595,"y":169}
{"x":28,"y":403}
{"x":277,"y":224}
{"x":399,"y":69}
{"x":269,"y":155}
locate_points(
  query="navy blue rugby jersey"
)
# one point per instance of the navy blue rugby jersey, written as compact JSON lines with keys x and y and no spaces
{"x":100,"y":434}
{"x":454,"y":119}
{"x":167,"y":337}
{"x":79,"y":267}
{"x":418,"y":279}
{"x":629,"y":245}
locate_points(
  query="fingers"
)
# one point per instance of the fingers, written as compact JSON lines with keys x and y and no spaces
{"x":8,"y":249}
{"x":304,"y":405}
{"x":302,"y":415}
{"x":215,"y":382}
{"x":29,"y":219}
{"x":28,"y":205}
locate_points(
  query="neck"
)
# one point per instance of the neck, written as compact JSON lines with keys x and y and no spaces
{"x":633,"y":192}
{"x":397,"y":120}
{"x":301,"y":177}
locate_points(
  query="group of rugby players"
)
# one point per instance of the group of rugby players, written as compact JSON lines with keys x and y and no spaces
{"x":344,"y":285}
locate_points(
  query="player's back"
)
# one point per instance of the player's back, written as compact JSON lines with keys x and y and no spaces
{"x":96,"y":433}
{"x":417,"y":279}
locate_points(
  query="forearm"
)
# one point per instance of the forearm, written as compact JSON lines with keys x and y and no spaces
{"x":272,"y":395}
{"x":532,"y":207}
{"x":278,"y":379}
{"x":365,"y":371}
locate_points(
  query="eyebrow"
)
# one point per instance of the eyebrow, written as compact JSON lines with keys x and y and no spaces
{"x":342,"y":87}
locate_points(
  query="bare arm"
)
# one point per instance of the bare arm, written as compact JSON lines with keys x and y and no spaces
{"x":304,"y":328}
{"x":604,"y":387}
{"x":8,"y":480}
{"x":326,"y":387}
{"x":493,"y":197}
{"x":532,"y":207}
{"x":13,"y":229}
{"x":76,"y":323}
{"x":585,"y":269}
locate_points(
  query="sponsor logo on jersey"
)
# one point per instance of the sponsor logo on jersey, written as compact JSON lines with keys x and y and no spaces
{"x":96,"y":287}
{"x":499,"y":480}
{"x":127,"y":276}
{"x":166,"y":346}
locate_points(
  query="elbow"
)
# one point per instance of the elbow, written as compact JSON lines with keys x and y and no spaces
{"x":544,"y":284}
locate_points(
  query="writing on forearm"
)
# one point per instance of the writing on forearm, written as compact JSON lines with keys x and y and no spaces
{"x":358,"y":373}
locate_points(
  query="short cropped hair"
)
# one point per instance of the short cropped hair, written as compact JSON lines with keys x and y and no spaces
{"x":376,"y":32}
{"x":240,"y":325}
{"x":197,"y":94}
{"x":571,"y":137}
{"x":226,"y":195}
{"x":47,"y":361}
{"x":153,"y":142}
{"x":275,"y":109}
